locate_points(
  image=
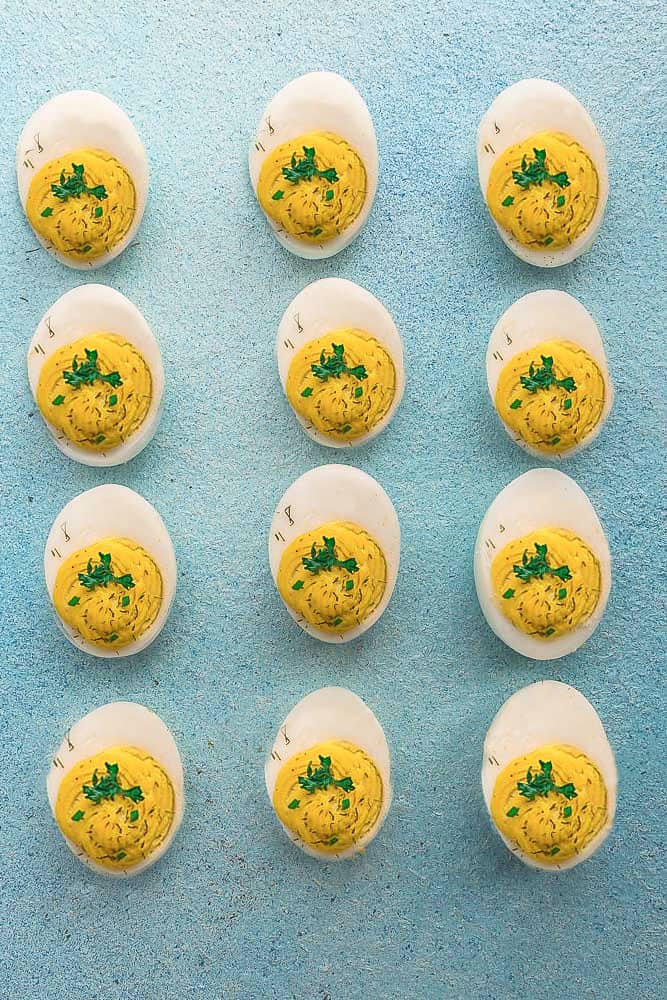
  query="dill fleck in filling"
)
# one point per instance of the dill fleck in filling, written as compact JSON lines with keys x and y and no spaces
{"x":116,"y":806}
{"x":330,"y":795}
{"x":546,"y":583}
{"x":333,"y":576}
{"x":551,"y":803}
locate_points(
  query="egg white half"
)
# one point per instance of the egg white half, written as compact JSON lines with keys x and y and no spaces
{"x":543,"y":713}
{"x":337,"y":493}
{"x":121,"y":723}
{"x":325,"y":306}
{"x":531,"y":320}
{"x":331,"y":713}
{"x":104,"y":512}
{"x":540,"y":498}
{"x":323,"y":102}
{"x":75,"y":119}
{"x":98,"y":309}
{"x":522,"y":110}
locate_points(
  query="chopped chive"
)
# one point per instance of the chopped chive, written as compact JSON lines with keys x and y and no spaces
{"x":513,"y":811}
{"x":113,"y":399}
{"x":567,"y":404}
{"x":358,"y":392}
{"x":78,"y":815}
{"x":567,"y":812}
{"x":555,"y":440}
{"x":134,"y":816}
{"x":308,"y":391}
{"x":334,"y":840}
{"x":562,"y":594}
{"x":560,"y":200}
{"x":345,"y":804}
{"x":277,"y":195}
{"x":86,"y":248}
{"x":298,"y":585}
{"x":98,"y":212}
{"x":508,"y":593}
{"x":100,"y":438}
{"x":125,"y":601}
{"x":316,"y":232}
{"x":329,"y":195}
{"x":58,"y":401}
{"x":549,"y":631}
{"x":121,"y":855}
{"x":515,"y":405}
{"x":294,"y":804}
{"x":113,"y":636}
{"x":548,"y":240}
{"x":507,"y":201}
{"x":554,"y":850}
{"x":349,"y":584}
{"x":346,"y":429}
{"x":337,"y":621}
{"x":73,"y":601}
{"x":47,"y":212}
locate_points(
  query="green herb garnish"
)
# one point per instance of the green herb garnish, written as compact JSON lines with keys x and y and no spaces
{"x":358,"y":392}
{"x":121,"y":855}
{"x":334,"y":840}
{"x":108,"y":787}
{"x":74,"y":185}
{"x":336,"y":622}
{"x":316,"y":779}
{"x":58,"y":401}
{"x":548,"y":241}
{"x":536,"y":172}
{"x":305,"y":168}
{"x":346,"y":428}
{"x":544,"y":378}
{"x":87,"y":372}
{"x":298,"y":585}
{"x":98,"y":212}
{"x":125,"y":601}
{"x":567,"y":404}
{"x":560,"y":201}
{"x":562,"y":594}
{"x":277,"y":195}
{"x":73,"y":601}
{"x":134,"y":816}
{"x":555,"y":440}
{"x":541,"y":783}
{"x":537,"y":566}
{"x":100,"y":438}
{"x":308,"y":391}
{"x":515,"y":405}
{"x":506,"y":202}
{"x":329,"y":195}
{"x":345,"y":804}
{"x":47,"y":212}
{"x":349,"y":584}
{"x":334,"y":366}
{"x":513,"y":812}
{"x":113,"y":399}
{"x":294,"y":804}
{"x":101,"y":575}
{"x":86,"y":248}
{"x":508,"y":593}
{"x":78,"y":815}
{"x":113,"y":636}
{"x":316,"y":232}
{"x":326,"y":558}
{"x":549,"y":632}
{"x":554,"y":850}
{"x":567,"y":812}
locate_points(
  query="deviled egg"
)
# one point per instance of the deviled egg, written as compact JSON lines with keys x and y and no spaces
{"x":543,"y":172}
{"x":110,"y":571}
{"x":542,"y":565}
{"x":328,"y":775}
{"x":547,"y":374}
{"x":95,"y":372}
{"x":549,"y":776}
{"x":334,"y":551}
{"x":115,"y":788}
{"x":82,"y":176}
{"x":340,"y":360}
{"x":314,"y":164}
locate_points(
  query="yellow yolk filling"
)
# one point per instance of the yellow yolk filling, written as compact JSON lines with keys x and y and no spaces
{"x":347,"y":406}
{"x":547,"y":606}
{"x":329,"y":819}
{"x":110,"y":614}
{"x":314,"y":209}
{"x":552,"y":419}
{"x":83,"y":227}
{"x":544,"y":216}
{"x":96,"y":415}
{"x":551,"y":828}
{"x":335,"y":599}
{"x":117,"y":833}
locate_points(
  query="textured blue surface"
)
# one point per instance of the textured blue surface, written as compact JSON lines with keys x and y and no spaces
{"x":438,"y":907}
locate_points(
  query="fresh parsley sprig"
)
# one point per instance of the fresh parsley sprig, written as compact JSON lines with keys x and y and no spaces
{"x":101,"y":575}
{"x":108,"y":786}
{"x":316,"y":779}
{"x":86,"y":372}
{"x":537,"y":566}
{"x":74,"y":186}
{"x":334,"y":366}
{"x":326,"y":558}
{"x":304,"y":169}
{"x":541,"y":783}
{"x":536,"y":172}
{"x":544,"y":378}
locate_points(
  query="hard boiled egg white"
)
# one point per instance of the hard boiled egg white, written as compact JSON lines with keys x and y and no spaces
{"x":540,"y":498}
{"x":533,"y":319}
{"x":522,"y":110}
{"x":98,"y":309}
{"x":323,"y":102}
{"x":325,"y":306}
{"x":70,"y":121}
{"x":103,"y":512}
{"x":121,"y":723}
{"x":337,"y":493}
{"x":544,"y":713}
{"x":332,"y":713}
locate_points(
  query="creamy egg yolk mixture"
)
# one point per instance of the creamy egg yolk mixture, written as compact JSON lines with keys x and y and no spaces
{"x":552,"y":406}
{"x":544,"y":190}
{"x":96,"y":390}
{"x":313,"y":186}
{"x":342,"y":383}
{"x":334,"y":807}
{"x":85,"y":212}
{"x":333,"y":576}
{"x":551,"y":802}
{"x":110,"y":592}
{"x":117,"y":806}
{"x":546,"y":583}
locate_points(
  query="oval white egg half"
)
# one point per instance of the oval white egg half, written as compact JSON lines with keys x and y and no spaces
{"x":91,"y":309}
{"x":522,"y":110}
{"x":331,"y":713}
{"x":75,"y":119}
{"x":544,"y":713}
{"x":540,"y":498}
{"x":337,"y":493}
{"x":532,"y":320}
{"x":324,"y":102}
{"x":325,"y":306}
{"x":104,"y":512}
{"x":121,"y":723}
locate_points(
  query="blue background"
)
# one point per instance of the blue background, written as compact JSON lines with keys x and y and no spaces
{"x":438,"y":907}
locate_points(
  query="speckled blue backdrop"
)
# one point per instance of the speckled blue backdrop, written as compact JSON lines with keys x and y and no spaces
{"x":438,"y":908}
